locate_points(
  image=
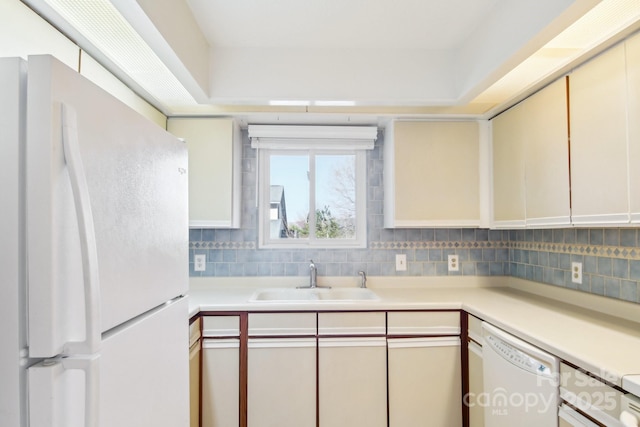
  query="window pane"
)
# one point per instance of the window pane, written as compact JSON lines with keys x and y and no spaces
{"x":336,"y":196}
{"x":289,"y":209}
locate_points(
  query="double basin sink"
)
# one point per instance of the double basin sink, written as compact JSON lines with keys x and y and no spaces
{"x":314,"y":295}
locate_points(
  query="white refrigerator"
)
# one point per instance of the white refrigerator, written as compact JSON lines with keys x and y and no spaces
{"x":94,"y":256}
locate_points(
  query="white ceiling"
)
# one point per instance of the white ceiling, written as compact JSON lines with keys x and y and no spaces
{"x":343,"y":61}
{"x":340,"y":24}
{"x":402,"y":53}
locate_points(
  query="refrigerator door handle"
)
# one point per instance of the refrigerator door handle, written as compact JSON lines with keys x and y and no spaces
{"x":88,"y":245}
{"x":91,"y":368}
{"x":47,"y":407}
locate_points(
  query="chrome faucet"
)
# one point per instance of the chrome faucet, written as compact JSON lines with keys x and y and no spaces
{"x":363,"y":279}
{"x":313,"y":275}
{"x":313,"y":278}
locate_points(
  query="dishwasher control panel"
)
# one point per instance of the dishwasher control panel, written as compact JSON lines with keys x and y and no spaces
{"x":518,"y":357}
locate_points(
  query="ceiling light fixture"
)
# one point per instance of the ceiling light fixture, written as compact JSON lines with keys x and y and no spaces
{"x":289,"y":103}
{"x":111,"y":37}
{"x":334,"y":103}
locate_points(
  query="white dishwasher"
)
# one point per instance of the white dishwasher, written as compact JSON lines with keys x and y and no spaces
{"x":520,"y":382}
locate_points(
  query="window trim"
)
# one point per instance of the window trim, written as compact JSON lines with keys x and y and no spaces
{"x":264,"y":239}
{"x":317,"y":139}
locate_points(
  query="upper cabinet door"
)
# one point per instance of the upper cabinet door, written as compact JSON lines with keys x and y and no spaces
{"x":215,"y":151}
{"x":509,"y":208}
{"x":432,"y":174}
{"x":633,"y":82}
{"x":531,"y":162}
{"x":546,"y":152}
{"x":598,"y":127}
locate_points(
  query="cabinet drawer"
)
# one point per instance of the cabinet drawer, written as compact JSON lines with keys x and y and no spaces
{"x":423,"y":323}
{"x":373,"y":323}
{"x":282,"y":324}
{"x":194,"y":331}
{"x":590,"y":395}
{"x":221,"y":326}
{"x":475,"y":329}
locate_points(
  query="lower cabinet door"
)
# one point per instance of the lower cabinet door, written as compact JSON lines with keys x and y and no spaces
{"x":352,"y":382}
{"x":476,"y":387}
{"x":425,"y":378}
{"x":221,"y":382}
{"x":281,"y":382}
{"x":194,"y":384}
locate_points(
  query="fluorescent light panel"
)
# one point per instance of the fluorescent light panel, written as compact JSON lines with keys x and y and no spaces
{"x":289,"y":103}
{"x":334,"y":103}
{"x":104,"y":27}
{"x":304,"y":103}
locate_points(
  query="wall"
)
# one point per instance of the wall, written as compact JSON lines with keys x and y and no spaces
{"x":235,"y":253}
{"x":610,"y":257}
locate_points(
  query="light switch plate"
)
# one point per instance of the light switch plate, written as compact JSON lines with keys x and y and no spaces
{"x":199,"y":262}
{"x":401,"y":262}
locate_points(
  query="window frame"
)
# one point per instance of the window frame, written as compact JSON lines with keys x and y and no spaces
{"x":264,"y":198}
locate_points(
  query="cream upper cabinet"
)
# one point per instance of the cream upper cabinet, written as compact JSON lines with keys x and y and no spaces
{"x":531,"y":162}
{"x":509,"y":208}
{"x":598,"y":124}
{"x":215,"y":151}
{"x":633,"y":84}
{"x":546,"y":153}
{"x":432,"y":174}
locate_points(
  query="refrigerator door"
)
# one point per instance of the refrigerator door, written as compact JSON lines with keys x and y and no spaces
{"x":106,"y":204}
{"x":140,"y":378}
{"x":13,"y":334}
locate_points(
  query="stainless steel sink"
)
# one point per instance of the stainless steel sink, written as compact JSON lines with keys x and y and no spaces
{"x":314,"y":295}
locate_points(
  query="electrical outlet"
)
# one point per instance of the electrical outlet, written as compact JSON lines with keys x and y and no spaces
{"x":454,"y":263}
{"x":576,"y":272}
{"x":401,"y":262}
{"x":199,"y":262}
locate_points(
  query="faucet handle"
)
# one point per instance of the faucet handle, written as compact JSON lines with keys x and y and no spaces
{"x":363,"y":281}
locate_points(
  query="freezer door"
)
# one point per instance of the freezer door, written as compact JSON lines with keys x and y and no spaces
{"x":140,"y":378}
{"x":107,"y":199}
{"x":12,"y":263}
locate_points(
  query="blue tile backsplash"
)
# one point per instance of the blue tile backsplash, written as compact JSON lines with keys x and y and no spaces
{"x":610,"y":257}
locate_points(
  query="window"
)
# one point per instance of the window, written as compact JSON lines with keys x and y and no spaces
{"x":312,"y":190}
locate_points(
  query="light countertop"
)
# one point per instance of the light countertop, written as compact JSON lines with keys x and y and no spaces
{"x":598,"y":334}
